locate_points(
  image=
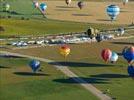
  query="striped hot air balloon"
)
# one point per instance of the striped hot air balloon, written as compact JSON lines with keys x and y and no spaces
{"x":113,"y":11}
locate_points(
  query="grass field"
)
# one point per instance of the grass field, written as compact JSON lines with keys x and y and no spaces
{"x":89,"y":14}
{"x":85,"y":61}
{"x":18,"y":83}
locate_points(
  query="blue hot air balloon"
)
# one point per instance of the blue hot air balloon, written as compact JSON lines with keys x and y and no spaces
{"x":130,"y":70}
{"x":34,"y":64}
{"x":128,"y":54}
{"x":113,"y":11}
{"x":43,"y":6}
{"x":114,"y":57}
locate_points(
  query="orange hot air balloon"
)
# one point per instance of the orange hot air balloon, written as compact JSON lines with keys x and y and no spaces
{"x":65,"y":50}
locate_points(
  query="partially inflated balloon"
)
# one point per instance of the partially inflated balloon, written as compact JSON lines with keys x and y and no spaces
{"x":124,"y":2}
{"x":131,"y":71}
{"x":106,"y":54}
{"x":80,"y":4}
{"x":64,"y":50}
{"x":35,"y":65}
{"x":68,"y":2}
{"x":114,"y":57}
{"x":6,"y":7}
{"x":128,"y":54}
{"x":99,"y":37}
{"x":36,"y":4}
{"x":43,"y":6}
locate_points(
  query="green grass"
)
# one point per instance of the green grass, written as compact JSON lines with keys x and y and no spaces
{"x":28,"y":87}
{"x":36,"y":25}
{"x":85,"y":61}
{"x":14,"y":27}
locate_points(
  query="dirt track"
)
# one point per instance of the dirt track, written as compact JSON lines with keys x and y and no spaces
{"x":93,"y":12}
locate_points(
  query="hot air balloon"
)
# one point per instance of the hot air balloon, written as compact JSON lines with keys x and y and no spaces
{"x":99,"y":37}
{"x":35,"y":65}
{"x":106,"y":54}
{"x":43,"y":6}
{"x":130,"y":70}
{"x":125,"y":2}
{"x":64,"y":50}
{"x":36,"y":4}
{"x":113,"y":11}
{"x":114,"y":57}
{"x":80,"y":4}
{"x":68,"y":2}
{"x":121,"y":31}
{"x":128,"y":54}
{"x":6,"y":7}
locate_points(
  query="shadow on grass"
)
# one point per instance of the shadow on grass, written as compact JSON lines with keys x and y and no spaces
{"x":9,"y":56}
{"x":103,"y":20}
{"x":86,"y":80}
{"x":93,"y":79}
{"x":81,"y":15}
{"x":30,"y":74}
{"x":80,"y":64}
{"x":110,"y":76}
{"x":65,"y":7}
{"x":123,"y":43}
{"x":4,"y":67}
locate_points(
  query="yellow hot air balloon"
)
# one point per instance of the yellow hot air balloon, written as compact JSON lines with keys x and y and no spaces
{"x":64,"y":50}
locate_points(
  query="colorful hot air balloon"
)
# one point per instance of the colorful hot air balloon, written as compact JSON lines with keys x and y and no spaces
{"x":80,"y":4}
{"x":68,"y":2}
{"x":6,"y":7}
{"x":130,"y":70}
{"x":106,"y":54}
{"x":125,"y":2}
{"x":113,"y":11}
{"x":35,"y":65}
{"x":128,"y":54}
{"x":64,"y":50}
{"x":36,"y":4}
{"x":114,"y":57}
{"x":43,"y":6}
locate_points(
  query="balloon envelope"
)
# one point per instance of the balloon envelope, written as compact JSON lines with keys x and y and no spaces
{"x":114,"y":57}
{"x":6,"y":7}
{"x":68,"y":2}
{"x":106,"y":54}
{"x":128,"y":54}
{"x":80,"y":4}
{"x":36,"y":4}
{"x":64,"y":50}
{"x":131,"y":71}
{"x":34,"y":64}
{"x":43,"y":6}
{"x":99,"y":37}
{"x":113,"y":11}
{"x":124,"y":2}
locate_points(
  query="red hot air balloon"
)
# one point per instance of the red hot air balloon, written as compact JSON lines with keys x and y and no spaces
{"x":106,"y":54}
